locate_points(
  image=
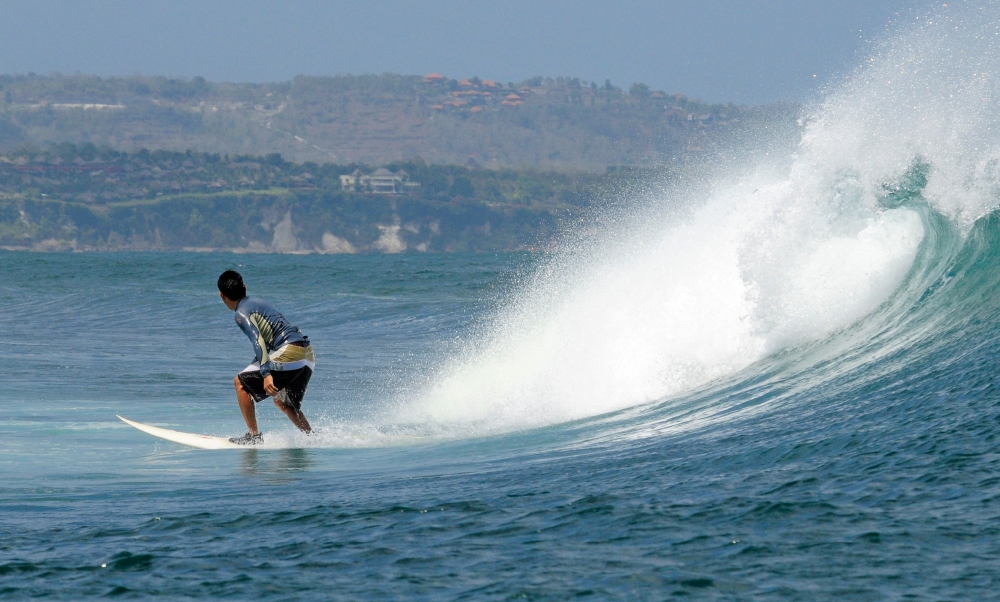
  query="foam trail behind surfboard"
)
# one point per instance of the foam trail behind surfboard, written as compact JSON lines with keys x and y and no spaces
{"x":189,"y":439}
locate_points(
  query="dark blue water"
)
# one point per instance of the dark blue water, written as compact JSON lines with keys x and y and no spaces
{"x":861,"y":466}
{"x":775,"y":383}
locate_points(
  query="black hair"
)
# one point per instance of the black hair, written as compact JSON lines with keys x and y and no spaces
{"x":231,"y":285}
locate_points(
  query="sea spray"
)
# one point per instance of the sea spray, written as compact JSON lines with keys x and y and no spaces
{"x":750,"y":268}
{"x":930,"y":94}
{"x":740,"y":279}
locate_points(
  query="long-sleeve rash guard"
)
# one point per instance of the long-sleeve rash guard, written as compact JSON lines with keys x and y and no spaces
{"x":269,"y":331}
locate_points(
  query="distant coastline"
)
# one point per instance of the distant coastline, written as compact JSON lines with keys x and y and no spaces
{"x":347,"y":164}
{"x":85,"y":198}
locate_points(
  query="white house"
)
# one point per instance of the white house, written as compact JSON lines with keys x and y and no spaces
{"x":380,"y":181}
{"x":349,"y":182}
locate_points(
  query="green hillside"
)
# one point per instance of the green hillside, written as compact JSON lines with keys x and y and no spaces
{"x":539,"y":123}
{"x":71,"y":197}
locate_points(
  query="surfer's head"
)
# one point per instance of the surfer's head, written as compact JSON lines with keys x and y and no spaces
{"x":231,"y":286}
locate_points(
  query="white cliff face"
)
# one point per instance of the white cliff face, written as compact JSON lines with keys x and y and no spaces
{"x":336,"y":245}
{"x":389,"y":241}
{"x":284,"y":240}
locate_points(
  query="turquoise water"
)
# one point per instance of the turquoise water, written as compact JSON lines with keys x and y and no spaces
{"x":775,"y":380}
{"x":860,"y":467}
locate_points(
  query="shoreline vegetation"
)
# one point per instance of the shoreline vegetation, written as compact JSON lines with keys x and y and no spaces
{"x":345,"y":164}
{"x":84,"y":198}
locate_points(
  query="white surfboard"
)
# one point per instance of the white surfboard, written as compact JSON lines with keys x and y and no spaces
{"x":189,"y":439}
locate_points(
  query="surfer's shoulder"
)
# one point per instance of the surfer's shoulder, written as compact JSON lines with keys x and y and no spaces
{"x":248,"y":305}
{"x":243,"y":308}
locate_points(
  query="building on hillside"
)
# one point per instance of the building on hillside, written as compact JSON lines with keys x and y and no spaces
{"x":380,"y":181}
{"x":350,"y":181}
{"x":384,"y":181}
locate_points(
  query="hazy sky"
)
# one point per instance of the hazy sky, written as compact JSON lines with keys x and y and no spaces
{"x":745,"y":51}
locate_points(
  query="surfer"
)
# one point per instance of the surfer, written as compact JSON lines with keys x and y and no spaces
{"x":283,"y":359}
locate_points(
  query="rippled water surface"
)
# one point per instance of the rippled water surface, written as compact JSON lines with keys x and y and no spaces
{"x":779,"y":385}
{"x":814,"y":474}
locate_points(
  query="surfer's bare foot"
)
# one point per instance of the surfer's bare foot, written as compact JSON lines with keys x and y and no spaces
{"x":248,"y":439}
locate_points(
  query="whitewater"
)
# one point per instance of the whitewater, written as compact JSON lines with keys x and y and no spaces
{"x":770,"y":379}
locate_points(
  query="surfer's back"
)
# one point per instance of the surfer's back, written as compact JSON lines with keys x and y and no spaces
{"x":269,"y":322}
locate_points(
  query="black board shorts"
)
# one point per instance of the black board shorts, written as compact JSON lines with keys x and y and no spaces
{"x":293,"y":382}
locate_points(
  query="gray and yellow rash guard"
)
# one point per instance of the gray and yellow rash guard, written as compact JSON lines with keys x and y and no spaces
{"x":272,"y":337}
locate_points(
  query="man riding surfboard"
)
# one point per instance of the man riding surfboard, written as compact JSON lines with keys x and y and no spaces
{"x":283,"y":359}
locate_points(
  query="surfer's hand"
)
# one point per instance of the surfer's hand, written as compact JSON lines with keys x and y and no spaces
{"x":269,"y":385}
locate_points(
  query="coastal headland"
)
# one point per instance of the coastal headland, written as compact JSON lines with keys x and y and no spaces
{"x":343,"y":164}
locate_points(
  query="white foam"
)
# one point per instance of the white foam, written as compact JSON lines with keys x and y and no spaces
{"x":704,"y":299}
{"x":755,"y":266}
{"x":932,"y":91}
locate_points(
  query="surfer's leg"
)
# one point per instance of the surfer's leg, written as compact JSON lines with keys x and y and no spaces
{"x":246,"y":406}
{"x":295,"y":415}
{"x":289,"y":399}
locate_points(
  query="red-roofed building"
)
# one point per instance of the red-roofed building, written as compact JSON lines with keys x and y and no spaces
{"x":431,"y":78}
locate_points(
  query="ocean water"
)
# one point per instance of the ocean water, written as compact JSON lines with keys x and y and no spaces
{"x":780,"y":385}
